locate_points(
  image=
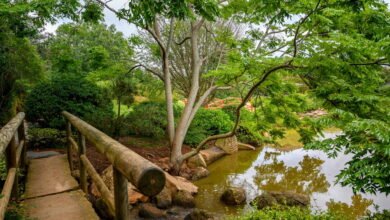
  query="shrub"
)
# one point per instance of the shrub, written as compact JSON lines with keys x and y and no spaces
{"x":289,"y":213}
{"x":46,"y":138}
{"x":71,"y":93}
{"x":207,"y":122}
{"x":148,"y":119}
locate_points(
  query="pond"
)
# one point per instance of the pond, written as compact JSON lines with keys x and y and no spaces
{"x":267,"y":169}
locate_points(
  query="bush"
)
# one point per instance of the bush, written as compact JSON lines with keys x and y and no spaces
{"x":289,"y":213}
{"x":46,"y":138}
{"x":207,"y":122}
{"x":148,"y":119}
{"x":71,"y":93}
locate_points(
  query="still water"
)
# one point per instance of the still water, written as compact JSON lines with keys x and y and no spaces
{"x":303,"y":171}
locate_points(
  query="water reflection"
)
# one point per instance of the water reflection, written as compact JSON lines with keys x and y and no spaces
{"x":358,"y":208}
{"x":305,"y":178}
{"x":303,"y":171}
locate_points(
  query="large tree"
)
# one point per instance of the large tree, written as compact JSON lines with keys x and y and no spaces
{"x":337,"y":49}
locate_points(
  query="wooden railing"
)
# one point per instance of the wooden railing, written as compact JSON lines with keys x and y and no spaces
{"x":12,"y":145}
{"x":127,"y":166}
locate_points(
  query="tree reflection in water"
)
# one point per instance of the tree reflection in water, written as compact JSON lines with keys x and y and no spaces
{"x":305,"y":178}
{"x":358,"y":208}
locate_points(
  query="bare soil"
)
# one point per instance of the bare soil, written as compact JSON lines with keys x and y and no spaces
{"x":151,"y":149}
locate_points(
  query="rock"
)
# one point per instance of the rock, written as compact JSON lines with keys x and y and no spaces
{"x":184,"y":199}
{"x":133,"y":194}
{"x":242,"y":146}
{"x":264,"y":200}
{"x":164,"y":163}
{"x":164,"y":198}
{"x":229,"y":145}
{"x":281,"y":198}
{"x":199,"y":173}
{"x":177,"y":183}
{"x":198,"y":214}
{"x":212,"y":154}
{"x":291,"y":198}
{"x":196,"y":161}
{"x":234,"y":196}
{"x":147,"y":210}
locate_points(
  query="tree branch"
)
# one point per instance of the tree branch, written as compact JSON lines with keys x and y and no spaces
{"x":238,"y":112}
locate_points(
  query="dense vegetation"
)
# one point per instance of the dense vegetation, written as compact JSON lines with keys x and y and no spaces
{"x":282,"y":58}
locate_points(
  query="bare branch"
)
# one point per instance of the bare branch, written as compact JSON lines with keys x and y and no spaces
{"x":183,"y":41}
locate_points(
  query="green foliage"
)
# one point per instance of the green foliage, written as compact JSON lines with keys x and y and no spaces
{"x":20,"y":65}
{"x":207,"y":122}
{"x":147,"y":119}
{"x":248,"y":131}
{"x":88,"y":49}
{"x":70,"y":93}
{"x":143,"y":12}
{"x":288,"y":213}
{"x":46,"y":138}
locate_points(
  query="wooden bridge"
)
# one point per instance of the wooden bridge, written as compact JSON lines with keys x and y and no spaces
{"x":52,"y":193}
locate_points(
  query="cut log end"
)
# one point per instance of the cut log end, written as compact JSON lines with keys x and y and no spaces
{"x":151,"y":182}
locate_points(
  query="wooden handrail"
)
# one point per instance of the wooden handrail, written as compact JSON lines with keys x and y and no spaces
{"x":127,"y":165}
{"x":12,"y":143}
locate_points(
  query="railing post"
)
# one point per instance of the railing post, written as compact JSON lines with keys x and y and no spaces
{"x":69,"y":147}
{"x":11,"y":163}
{"x":83,"y":171}
{"x":22,"y":137}
{"x":120,"y":195}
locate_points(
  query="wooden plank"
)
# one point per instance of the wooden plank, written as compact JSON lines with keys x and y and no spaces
{"x":107,"y":196}
{"x":120,"y":195}
{"x":49,"y":175}
{"x":68,"y":205}
{"x":6,"y":192}
{"x":143,"y":174}
{"x":8,"y":131}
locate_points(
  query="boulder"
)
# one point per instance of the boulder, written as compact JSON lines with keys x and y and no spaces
{"x":184,"y":199}
{"x":196,"y":161}
{"x":199,"y":214}
{"x":229,"y":145}
{"x":133,"y":194}
{"x":199,"y":173}
{"x":242,"y":146}
{"x":234,"y":196}
{"x":178,"y":183}
{"x":148,"y":210}
{"x":281,"y":198}
{"x":212,"y":154}
{"x":164,"y":198}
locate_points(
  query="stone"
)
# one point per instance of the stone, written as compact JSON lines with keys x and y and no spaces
{"x":177,"y":183}
{"x":184,"y":199}
{"x":242,"y":146}
{"x":148,"y":210}
{"x":288,"y":198}
{"x":234,"y":196}
{"x":291,"y":198}
{"x":199,"y":173}
{"x":229,"y":145}
{"x":132,"y":192}
{"x":164,"y":198}
{"x":264,"y":200}
{"x":196,"y":161}
{"x":199,"y":214}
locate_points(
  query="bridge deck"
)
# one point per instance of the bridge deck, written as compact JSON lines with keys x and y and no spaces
{"x":52,"y":193}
